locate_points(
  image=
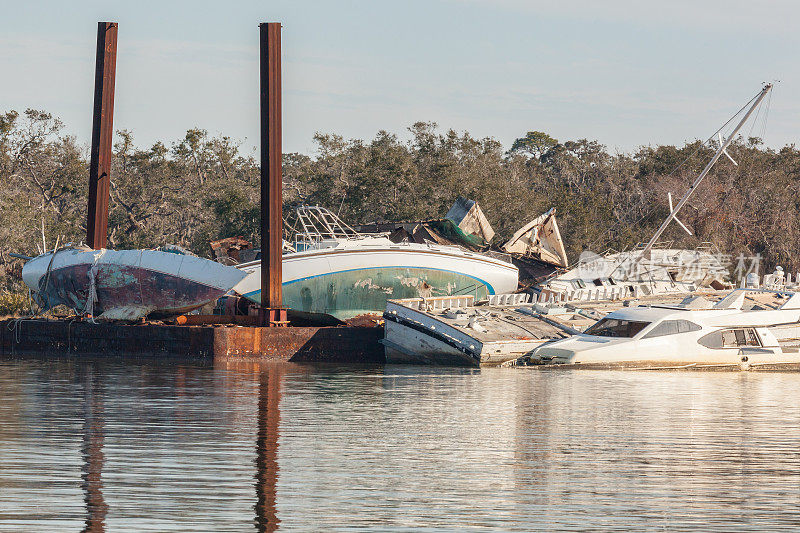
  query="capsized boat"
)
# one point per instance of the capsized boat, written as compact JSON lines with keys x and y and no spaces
{"x":330,"y":268}
{"x":452,"y":331}
{"x":127,"y":284}
{"x":740,"y":331}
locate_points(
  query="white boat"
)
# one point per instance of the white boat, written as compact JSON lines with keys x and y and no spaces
{"x":334,"y":270}
{"x":126,"y":284}
{"x":452,"y":331}
{"x":631,"y":274}
{"x":726,"y":334}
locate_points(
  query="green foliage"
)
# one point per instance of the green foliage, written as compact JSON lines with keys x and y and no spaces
{"x":201,"y":188}
{"x":235,"y":213}
{"x":535,"y":144}
{"x":13,"y":303}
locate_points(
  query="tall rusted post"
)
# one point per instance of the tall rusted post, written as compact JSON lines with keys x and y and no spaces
{"x":271,"y":176}
{"x":102,"y":129}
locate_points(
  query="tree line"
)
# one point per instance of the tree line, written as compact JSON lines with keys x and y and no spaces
{"x":200,"y":188}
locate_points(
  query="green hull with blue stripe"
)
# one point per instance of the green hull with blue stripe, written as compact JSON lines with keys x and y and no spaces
{"x":355,"y":292}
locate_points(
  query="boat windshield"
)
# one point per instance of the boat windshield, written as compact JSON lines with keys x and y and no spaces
{"x":614,"y":327}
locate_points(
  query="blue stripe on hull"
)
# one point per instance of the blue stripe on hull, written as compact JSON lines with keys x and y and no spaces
{"x":348,"y":293}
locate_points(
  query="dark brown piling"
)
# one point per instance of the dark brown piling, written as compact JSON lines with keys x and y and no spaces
{"x":102,"y":130}
{"x":271,"y":176}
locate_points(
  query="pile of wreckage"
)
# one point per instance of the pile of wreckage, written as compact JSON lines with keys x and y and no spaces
{"x":339,"y":271}
{"x":536,"y":249}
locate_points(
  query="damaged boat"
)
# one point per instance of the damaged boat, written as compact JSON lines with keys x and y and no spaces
{"x":537,"y":250}
{"x":632,"y":274}
{"x":452,"y":331}
{"x":330,"y":268}
{"x":127,"y":284}
{"x":732,"y":333}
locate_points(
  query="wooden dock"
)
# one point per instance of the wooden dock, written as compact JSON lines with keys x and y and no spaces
{"x":336,"y":344}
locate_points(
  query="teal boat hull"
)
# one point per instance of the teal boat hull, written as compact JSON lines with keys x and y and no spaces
{"x":355,"y":292}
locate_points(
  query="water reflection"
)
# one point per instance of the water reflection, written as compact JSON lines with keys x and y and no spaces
{"x":92,"y":452}
{"x":269,"y":417}
{"x":681,"y":451}
{"x":160,"y":446}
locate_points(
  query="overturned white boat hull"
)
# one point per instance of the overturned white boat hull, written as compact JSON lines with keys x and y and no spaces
{"x":127,"y":284}
{"x":451,"y":332}
{"x":348,"y":278}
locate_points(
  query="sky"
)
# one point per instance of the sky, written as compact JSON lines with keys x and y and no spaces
{"x":625,"y":73}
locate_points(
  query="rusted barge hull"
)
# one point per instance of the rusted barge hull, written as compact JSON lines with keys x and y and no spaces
{"x":29,"y":337}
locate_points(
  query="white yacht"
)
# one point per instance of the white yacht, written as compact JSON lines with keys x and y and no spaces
{"x":746,"y":329}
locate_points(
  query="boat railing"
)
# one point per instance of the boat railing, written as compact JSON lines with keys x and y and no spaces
{"x":315,"y":224}
{"x":435,"y":303}
{"x":497,"y":300}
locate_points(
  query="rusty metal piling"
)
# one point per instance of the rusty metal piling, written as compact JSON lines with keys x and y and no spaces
{"x":102,"y":131}
{"x":271,"y":176}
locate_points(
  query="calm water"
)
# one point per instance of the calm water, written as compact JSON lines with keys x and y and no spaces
{"x":173,"y":446}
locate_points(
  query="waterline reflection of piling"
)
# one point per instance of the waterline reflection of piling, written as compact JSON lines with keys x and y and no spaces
{"x":269,"y":417}
{"x":92,"y":454}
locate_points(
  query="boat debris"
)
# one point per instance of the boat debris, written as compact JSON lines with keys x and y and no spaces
{"x":233,"y":250}
{"x":458,"y":331}
{"x":540,"y":239}
{"x":468,"y":216}
{"x":454,"y":332}
{"x":630,"y":274}
{"x":537,"y":249}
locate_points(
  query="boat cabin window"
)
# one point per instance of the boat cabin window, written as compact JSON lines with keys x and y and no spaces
{"x":730,"y":338}
{"x":578,"y":284}
{"x":671,"y":327}
{"x":598,"y":282}
{"x":613,"y":327}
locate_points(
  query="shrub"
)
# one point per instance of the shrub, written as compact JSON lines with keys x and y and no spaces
{"x":13,"y":303}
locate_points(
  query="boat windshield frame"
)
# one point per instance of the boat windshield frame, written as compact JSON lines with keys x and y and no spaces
{"x":315,"y":224}
{"x":621,"y":328}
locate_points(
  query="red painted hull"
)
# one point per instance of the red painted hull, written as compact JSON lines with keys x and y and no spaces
{"x":121,"y":287}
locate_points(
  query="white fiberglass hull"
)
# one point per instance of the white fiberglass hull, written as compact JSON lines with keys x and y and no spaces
{"x":128,"y":284}
{"x":420,"y":338}
{"x":357,"y":277}
{"x":675,"y":337}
